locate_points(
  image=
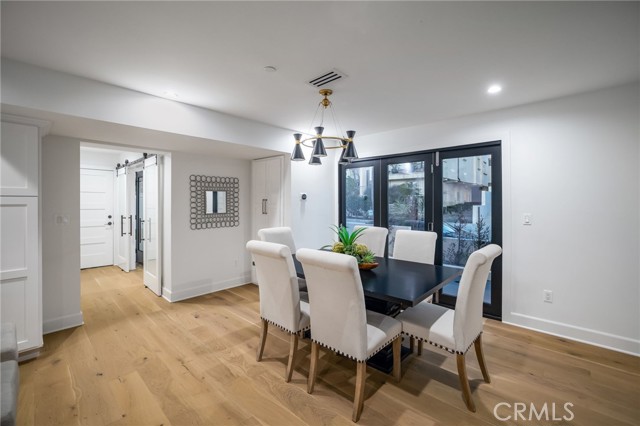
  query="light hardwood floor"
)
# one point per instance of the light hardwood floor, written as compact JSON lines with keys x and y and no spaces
{"x":140,"y":360}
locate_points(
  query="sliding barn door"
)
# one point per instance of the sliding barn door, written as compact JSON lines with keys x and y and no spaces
{"x":124,"y":224}
{"x":151,"y":225}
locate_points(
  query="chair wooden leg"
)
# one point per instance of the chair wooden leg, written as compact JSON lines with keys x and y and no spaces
{"x":397,"y":345}
{"x":420,"y":342}
{"x":313,"y":369}
{"x":464,"y":383}
{"x":412,"y":344}
{"x":263,"y":339}
{"x":483,"y":367}
{"x":293,"y":347}
{"x":358,"y":400}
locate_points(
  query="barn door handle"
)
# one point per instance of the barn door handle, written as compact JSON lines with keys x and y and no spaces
{"x":130,"y":224}
{"x":122,"y":233}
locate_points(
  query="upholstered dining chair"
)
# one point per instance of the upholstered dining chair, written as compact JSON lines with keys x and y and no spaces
{"x":339,"y":320}
{"x":374,"y":237}
{"x":456,"y":330}
{"x":282,"y":235}
{"x":415,"y":246}
{"x":280,"y":303}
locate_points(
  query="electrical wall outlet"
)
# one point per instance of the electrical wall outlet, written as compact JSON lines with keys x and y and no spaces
{"x":547,"y":296}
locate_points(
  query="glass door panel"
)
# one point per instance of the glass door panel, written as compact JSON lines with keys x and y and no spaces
{"x":359,"y":186}
{"x":466,"y":206}
{"x":405,"y":200}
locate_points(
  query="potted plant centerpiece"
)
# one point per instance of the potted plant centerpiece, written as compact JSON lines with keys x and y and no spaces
{"x":347,"y":244}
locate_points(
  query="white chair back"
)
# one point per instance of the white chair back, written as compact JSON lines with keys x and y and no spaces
{"x":374,"y":237}
{"x":336,"y":302}
{"x":415,"y":246}
{"x":280,"y":235}
{"x":467,"y":322}
{"x":279,"y":295}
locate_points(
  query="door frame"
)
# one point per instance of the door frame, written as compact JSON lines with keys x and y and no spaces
{"x":381,"y":219}
{"x":494,"y":309}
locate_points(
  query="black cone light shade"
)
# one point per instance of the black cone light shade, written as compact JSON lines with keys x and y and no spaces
{"x":343,"y":160}
{"x":318,"y":146}
{"x":315,"y":161}
{"x":350,"y":152}
{"x":297,"y":154}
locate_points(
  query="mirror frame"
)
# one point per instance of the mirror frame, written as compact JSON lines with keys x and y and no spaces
{"x":200,"y":184}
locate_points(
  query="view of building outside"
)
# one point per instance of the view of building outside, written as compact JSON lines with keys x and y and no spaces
{"x":466,"y":211}
{"x":359,"y":197}
{"x":405,"y":198}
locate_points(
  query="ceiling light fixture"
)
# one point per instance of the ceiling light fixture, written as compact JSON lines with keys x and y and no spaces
{"x":494,"y":89}
{"x":316,"y":143}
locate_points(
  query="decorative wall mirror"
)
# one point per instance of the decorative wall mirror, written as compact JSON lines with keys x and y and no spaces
{"x":214,"y":202}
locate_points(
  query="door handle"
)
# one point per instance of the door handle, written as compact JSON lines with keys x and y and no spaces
{"x":122,"y":233}
{"x":264,"y":206}
{"x":141,"y":229}
{"x":108,"y":223}
{"x":149,"y":229}
{"x":130,"y":224}
{"x":109,"y":217}
{"x":430,"y":226}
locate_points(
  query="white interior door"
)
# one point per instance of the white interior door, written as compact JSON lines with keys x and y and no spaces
{"x":96,"y":218}
{"x":151,"y":225}
{"x":124,"y":223}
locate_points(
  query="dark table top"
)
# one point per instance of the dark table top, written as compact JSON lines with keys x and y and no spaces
{"x":401,"y":282}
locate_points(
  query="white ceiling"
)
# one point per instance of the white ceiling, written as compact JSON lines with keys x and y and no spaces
{"x":407,"y":63}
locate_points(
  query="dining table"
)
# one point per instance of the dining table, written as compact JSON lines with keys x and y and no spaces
{"x":395,"y":285}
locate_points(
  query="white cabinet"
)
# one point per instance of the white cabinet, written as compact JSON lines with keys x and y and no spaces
{"x":267,"y":196}
{"x":20,"y":264}
{"x":267,"y":176}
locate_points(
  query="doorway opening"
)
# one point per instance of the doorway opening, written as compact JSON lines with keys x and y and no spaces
{"x":120,"y":216}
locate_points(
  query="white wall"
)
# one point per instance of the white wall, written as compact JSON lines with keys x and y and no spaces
{"x":60,"y":196}
{"x":311,"y":219}
{"x":573,"y":164}
{"x":210,"y":259}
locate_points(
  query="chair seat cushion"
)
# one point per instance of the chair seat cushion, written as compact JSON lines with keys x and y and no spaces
{"x":10,"y":378}
{"x":8,"y":342}
{"x":431,"y":323}
{"x":381,"y":330}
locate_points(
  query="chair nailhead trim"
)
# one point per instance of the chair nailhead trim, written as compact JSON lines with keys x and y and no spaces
{"x":451,"y":351}
{"x":285,"y":328}
{"x":384,"y":345}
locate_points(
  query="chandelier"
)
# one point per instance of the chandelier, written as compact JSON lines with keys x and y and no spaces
{"x":317,"y":142}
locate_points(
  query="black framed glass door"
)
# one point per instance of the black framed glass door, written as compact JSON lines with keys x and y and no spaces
{"x":359,"y":194}
{"x":468,"y":215}
{"x":455,"y":192}
{"x":406,"y":194}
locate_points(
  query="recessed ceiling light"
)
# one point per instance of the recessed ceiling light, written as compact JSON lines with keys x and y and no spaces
{"x":494,"y":89}
{"x":270,"y":68}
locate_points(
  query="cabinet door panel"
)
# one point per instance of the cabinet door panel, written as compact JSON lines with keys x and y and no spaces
{"x":19,"y":152}
{"x":19,"y":269}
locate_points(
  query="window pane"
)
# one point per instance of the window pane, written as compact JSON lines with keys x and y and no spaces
{"x":359,"y":196}
{"x":405,"y":199}
{"x":466,"y":212}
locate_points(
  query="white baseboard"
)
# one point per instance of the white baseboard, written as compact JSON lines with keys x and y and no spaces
{"x":62,"y":323}
{"x":579,"y":334}
{"x":198,"y":288}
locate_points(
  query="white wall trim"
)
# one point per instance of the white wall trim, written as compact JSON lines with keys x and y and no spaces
{"x":62,"y":323}
{"x":44,"y":126}
{"x":576,"y":333}
{"x":199,"y":288}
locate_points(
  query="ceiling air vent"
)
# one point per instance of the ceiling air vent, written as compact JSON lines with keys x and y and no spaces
{"x":326,"y":78}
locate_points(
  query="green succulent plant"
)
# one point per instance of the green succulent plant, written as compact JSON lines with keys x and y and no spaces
{"x":346,"y":244}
